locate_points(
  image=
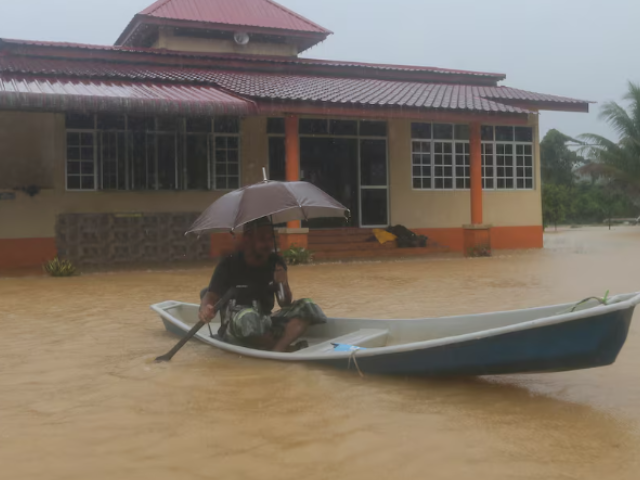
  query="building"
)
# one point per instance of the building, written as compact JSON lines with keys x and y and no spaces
{"x":107,"y":153}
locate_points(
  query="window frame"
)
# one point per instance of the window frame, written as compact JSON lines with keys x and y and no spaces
{"x":151,"y":162}
{"x":494,"y":178}
{"x":453,"y":142}
{"x":514,"y":145}
{"x":96,"y":178}
{"x":214,"y":159}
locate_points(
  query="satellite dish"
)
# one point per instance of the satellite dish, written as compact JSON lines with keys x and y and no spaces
{"x":241,"y":38}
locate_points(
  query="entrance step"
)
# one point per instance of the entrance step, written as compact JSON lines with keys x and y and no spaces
{"x":378,"y":253}
{"x":331,"y":247}
{"x":318,"y":237}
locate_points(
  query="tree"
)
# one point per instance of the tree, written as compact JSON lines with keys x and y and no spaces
{"x":617,"y":162}
{"x":557,"y":160}
{"x":555,"y":204}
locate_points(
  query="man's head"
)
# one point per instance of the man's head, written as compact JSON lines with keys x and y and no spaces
{"x":258,"y":241}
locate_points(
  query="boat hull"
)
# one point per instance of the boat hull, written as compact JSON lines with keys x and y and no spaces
{"x":580,"y":344}
{"x":544,"y":339}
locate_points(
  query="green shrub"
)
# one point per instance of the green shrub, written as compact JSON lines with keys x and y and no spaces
{"x":295,"y":255}
{"x":59,"y":268}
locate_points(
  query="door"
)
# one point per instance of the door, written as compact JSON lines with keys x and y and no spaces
{"x":374,"y":183}
{"x":331,"y":165}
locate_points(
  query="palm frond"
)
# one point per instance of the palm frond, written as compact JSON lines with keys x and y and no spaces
{"x":618,"y":118}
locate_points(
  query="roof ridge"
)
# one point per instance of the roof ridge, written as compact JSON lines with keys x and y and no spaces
{"x":297,"y":15}
{"x":346,"y":64}
{"x":154,"y":6}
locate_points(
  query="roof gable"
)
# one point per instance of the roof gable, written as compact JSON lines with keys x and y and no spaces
{"x":249,"y":13}
{"x":264,"y":18}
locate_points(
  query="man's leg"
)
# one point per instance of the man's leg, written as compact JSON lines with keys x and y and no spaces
{"x":294,"y":329}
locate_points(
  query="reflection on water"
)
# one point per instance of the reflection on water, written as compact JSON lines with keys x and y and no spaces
{"x":80,"y":397}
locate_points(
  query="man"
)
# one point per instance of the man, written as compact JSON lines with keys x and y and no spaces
{"x":257,"y":273}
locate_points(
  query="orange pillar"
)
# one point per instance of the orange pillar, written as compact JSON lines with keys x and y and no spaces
{"x":292,"y":155}
{"x":475,"y":159}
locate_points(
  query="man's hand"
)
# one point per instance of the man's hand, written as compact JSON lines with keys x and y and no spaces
{"x":206,"y":313}
{"x":280,"y":275}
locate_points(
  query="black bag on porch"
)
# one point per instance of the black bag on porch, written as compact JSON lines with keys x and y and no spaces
{"x":407,"y":238}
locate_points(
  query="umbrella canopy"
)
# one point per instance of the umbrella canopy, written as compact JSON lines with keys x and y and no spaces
{"x":281,"y":201}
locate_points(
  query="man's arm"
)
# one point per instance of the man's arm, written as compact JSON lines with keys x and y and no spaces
{"x":281,"y":277}
{"x":207,"y":304}
{"x":218,"y":286}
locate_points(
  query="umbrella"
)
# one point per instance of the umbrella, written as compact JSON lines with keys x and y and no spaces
{"x":280,"y":201}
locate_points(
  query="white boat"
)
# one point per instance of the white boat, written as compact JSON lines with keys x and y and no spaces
{"x":545,"y":339}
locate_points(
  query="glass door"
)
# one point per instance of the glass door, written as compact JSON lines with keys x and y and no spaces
{"x":374,"y":183}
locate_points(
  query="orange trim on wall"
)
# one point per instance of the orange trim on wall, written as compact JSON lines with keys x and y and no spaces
{"x":223,"y":244}
{"x":502,"y":238}
{"x":287,"y":240}
{"x":507,"y":238}
{"x":26,"y":252}
{"x":292,"y":154}
{"x":453,"y":238}
{"x":475,"y":159}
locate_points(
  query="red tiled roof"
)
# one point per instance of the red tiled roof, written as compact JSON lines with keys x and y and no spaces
{"x":130,"y":97}
{"x":250,"y":13}
{"x":58,"y":49}
{"x":311,"y":88}
{"x":359,"y":91}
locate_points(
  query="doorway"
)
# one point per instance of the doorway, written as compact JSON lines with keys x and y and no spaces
{"x":331,"y":164}
{"x":348,"y":160}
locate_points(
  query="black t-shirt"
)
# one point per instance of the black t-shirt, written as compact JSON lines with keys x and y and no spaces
{"x":252,"y":283}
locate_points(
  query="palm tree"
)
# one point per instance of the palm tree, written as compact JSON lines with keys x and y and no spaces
{"x":617,"y":162}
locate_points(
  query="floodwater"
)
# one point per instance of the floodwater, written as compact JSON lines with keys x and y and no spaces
{"x":81,"y":399}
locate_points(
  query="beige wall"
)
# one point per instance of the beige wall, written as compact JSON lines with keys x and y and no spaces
{"x":168,"y":41}
{"x":26,"y":156}
{"x":451,"y":209}
{"x":27,"y":217}
{"x":44,"y":151}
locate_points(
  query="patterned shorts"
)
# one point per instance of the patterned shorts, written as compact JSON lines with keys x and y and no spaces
{"x":247,"y":322}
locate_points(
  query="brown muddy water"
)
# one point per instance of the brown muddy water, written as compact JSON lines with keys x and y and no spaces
{"x":81,"y":399}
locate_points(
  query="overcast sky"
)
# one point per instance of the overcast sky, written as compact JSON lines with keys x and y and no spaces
{"x":585,"y":49}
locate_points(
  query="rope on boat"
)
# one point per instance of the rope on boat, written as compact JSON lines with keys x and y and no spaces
{"x":355,"y":362}
{"x":602,"y":301}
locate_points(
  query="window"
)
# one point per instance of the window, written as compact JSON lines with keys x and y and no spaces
{"x":227,"y":163}
{"x":197,"y":161}
{"x":314,"y":126}
{"x":524,"y":166}
{"x":421,"y":130}
{"x":507,"y":158}
{"x":463,"y":167}
{"x":504,"y":165}
{"x":443,"y":165}
{"x":81,"y":160}
{"x":422,"y":164}
{"x":488,"y":172}
{"x":440,"y":156}
{"x":118,"y":152}
{"x":343,"y":127}
{"x":113,"y":159}
{"x":331,"y":127}
{"x":275,"y":126}
{"x":373,"y":129}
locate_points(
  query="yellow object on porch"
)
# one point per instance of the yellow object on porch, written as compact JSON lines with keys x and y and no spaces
{"x":383,"y":236}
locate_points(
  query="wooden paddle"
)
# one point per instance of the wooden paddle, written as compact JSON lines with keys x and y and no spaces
{"x":221,"y":303}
